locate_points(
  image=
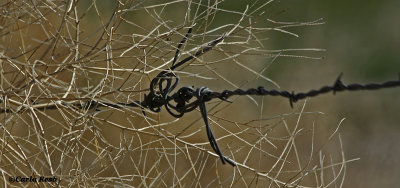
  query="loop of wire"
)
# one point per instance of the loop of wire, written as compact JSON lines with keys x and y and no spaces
{"x":167,"y":82}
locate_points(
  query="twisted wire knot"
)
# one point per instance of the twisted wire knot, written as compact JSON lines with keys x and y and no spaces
{"x":159,"y":96}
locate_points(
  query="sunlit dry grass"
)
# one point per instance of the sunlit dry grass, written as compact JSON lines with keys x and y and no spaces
{"x":68,"y":52}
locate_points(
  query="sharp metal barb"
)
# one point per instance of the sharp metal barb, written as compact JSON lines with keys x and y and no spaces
{"x":180,"y":45}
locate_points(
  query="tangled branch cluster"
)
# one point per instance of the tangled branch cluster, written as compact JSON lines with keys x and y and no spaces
{"x":82,"y":84}
{"x":166,"y":82}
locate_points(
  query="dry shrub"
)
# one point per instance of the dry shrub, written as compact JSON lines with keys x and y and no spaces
{"x":59,"y":53}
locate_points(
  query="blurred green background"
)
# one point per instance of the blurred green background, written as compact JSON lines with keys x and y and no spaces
{"x":362,"y":39}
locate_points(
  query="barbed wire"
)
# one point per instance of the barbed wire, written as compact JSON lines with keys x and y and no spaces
{"x":180,"y":102}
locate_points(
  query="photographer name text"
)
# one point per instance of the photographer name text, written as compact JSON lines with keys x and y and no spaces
{"x":32,"y":179}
